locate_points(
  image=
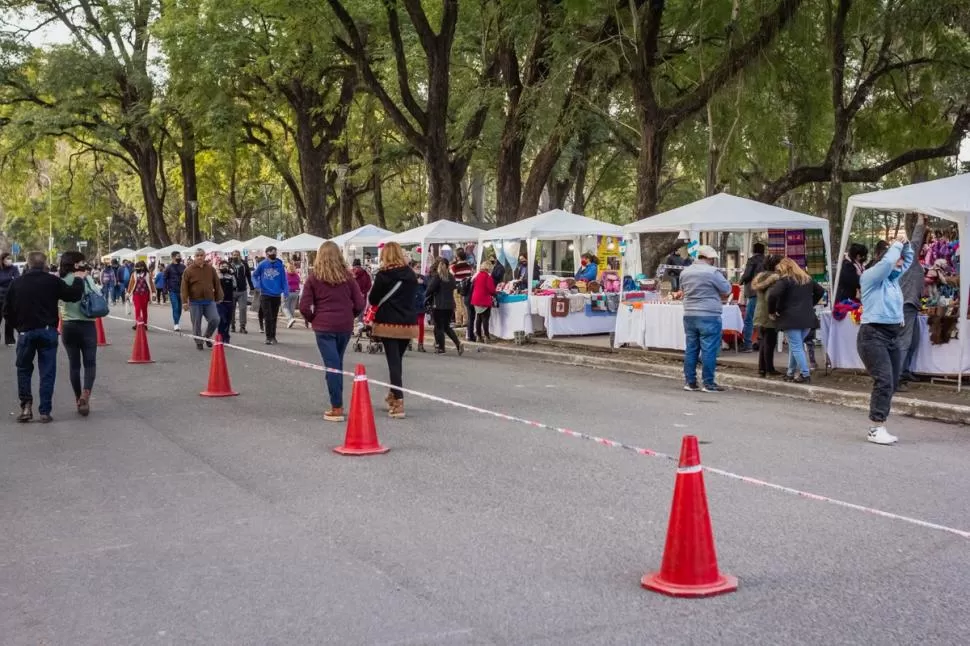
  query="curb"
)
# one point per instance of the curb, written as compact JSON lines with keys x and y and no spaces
{"x":920,"y":409}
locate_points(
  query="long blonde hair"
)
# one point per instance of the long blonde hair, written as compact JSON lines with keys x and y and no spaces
{"x":329,"y":266}
{"x":392,"y":255}
{"x":444,"y":273}
{"x":788,"y":268}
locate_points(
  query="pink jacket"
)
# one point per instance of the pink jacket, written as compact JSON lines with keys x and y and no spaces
{"x":483,"y":289}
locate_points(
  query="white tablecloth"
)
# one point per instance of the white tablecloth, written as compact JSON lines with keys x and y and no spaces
{"x":510,"y":318}
{"x":575,"y":324}
{"x":839,"y":338}
{"x":661,"y":325}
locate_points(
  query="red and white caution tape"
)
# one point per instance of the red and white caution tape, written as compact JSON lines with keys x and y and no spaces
{"x":586,"y":436}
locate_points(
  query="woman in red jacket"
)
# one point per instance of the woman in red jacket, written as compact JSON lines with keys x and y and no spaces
{"x":483,"y":291}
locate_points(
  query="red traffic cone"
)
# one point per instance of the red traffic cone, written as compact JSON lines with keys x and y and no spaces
{"x":102,"y":339}
{"x":689,"y":567}
{"x":361,"y":438}
{"x":219,"y":385}
{"x":139,"y":350}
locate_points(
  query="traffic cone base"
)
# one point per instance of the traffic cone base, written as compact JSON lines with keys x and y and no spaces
{"x":361,"y":437}
{"x":689,"y":566}
{"x":219,"y":385}
{"x":139,"y":350}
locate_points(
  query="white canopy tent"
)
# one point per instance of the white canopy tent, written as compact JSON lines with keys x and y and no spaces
{"x":947,"y":199}
{"x":723,"y":212}
{"x":302,"y":242}
{"x":259,"y":244}
{"x":440,"y":232}
{"x":229,"y":246}
{"x":207,"y":246}
{"x":146,"y":251}
{"x":122,"y":254}
{"x":166,"y":252}
{"x":365,"y":236}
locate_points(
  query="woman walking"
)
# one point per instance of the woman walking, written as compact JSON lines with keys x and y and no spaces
{"x":293,"y":298}
{"x":791,"y":302}
{"x":767,"y":331}
{"x":79,"y":334}
{"x":441,"y":292}
{"x":330,"y":302}
{"x":392,"y":294}
{"x":140,"y":289}
{"x":483,"y":291}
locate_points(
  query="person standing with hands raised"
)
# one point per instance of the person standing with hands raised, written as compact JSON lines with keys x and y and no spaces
{"x":880,"y":331}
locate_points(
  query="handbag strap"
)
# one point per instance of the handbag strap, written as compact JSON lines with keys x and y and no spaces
{"x":389,"y":294}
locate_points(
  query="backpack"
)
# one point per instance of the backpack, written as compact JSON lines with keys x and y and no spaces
{"x":464,"y":286}
{"x":611,"y":281}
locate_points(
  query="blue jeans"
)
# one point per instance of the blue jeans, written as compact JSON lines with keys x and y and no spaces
{"x":43,"y":343}
{"x":332,"y":346}
{"x":703,"y":340}
{"x":117,"y":293}
{"x":797,"y":359}
{"x":176,"y":298}
{"x":225,"y":318}
{"x":749,"y":307}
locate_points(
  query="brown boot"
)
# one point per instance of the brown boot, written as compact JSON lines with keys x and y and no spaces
{"x":334,"y":415}
{"x":397,"y":409}
{"x":84,"y":403}
{"x":389,"y":400}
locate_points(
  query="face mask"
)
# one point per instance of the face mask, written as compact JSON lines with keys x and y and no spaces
{"x":225,"y":270}
{"x":584,"y":262}
{"x":271,"y":256}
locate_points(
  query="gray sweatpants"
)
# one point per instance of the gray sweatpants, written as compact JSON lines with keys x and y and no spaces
{"x":211,"y":314}
{"x":239,"y":311}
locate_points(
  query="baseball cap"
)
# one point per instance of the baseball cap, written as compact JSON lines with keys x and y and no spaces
{"x":707,"y":251}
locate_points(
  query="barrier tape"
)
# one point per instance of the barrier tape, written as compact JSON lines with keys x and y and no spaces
{"x":584,"y":436}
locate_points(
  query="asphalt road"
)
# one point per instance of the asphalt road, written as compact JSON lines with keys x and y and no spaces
{"x":166,"y":518}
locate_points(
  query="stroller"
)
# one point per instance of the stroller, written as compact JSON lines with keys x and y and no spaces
{"x":364,"y":333}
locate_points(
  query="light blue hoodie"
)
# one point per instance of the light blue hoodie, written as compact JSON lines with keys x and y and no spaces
{"x":882,"y":298}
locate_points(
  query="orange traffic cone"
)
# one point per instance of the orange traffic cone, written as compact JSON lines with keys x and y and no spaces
{"x":219,"y":385}
{"x":361,"y":438}
{"x":102,"y":339}
{"x":689,"y":567}
{"x":139,"y":350}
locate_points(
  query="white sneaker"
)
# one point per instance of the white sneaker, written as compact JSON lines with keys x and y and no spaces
{"x":291,"y":323}
{"x":879,"y":435}
{"x":176,"y":327}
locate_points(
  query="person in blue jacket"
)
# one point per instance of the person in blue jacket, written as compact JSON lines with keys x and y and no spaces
{"x":882,"y":325}
{"x":589,"y":267}
{"x":270,"y":278}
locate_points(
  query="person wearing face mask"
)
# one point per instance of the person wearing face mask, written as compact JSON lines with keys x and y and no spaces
{"x":270,"y":277}
{"x":225,"y":307}
{"x":201,"y":291}
{"x":8,"y":273}
{"x":173,"y":282}
{"x":141,"y":290}
{"x":244,"y":283}
{"x":522,"y":278}
{"x":588,"y":268}
{"x":882,"y":325}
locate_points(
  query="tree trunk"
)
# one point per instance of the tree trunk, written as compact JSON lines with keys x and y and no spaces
{"x":378,"y":191}
{"x":146,"y":159}
{"x":509,"y":174}
{"x":653,"y":140}
{"x":478,"y":197}
{"x":444,"y":187}
{"x":190,"y":181}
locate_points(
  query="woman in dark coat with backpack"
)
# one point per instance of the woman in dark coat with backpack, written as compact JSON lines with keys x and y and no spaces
{"x":395,"y":319}
{"x":791,"y":304}
{"x":441,"y":293}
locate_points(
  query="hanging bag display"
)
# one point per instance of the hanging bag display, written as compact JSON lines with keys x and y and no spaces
{"x":560,"y":307}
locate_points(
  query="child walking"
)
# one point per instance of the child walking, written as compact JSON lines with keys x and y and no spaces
{"x":228,"y":281}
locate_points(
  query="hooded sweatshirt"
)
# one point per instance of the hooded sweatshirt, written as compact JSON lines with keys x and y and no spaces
{"x":270,"y":278}
{"x":882,"y":298}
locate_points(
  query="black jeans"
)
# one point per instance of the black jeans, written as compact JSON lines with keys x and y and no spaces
{"x":767,"y":340}
{"x":442,"y":326}
{"x":80,"y":339}
{"x":481,"y":324}
{"x":878,"y":347}
{"x":394,"y":350}
{"x":270,"y":306}
{"x":8,"y":332}
{"x":470,"y":309}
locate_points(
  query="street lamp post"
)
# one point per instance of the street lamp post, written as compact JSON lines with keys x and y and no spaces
{"x":193,"y":215}
{"x":50,"y":213}
{"x":109,"y":234}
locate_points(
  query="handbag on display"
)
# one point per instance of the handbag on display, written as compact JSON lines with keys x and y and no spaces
{"x":559,"y":307}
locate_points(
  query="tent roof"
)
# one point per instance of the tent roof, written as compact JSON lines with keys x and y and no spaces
{"x":146,"y":251}
{"x":947,"y":198}
{"x":259,"y":243}
{"x":723,"y":212}
{"x":435,"y":232}
{"x":207,"y":246}
{"x":122,"y":253}
{"x":365,"y":236}
{"x":301,"y":242}
{"x":170,"y":249}
{"x":229,"y":245}
{"x":552,"y":225}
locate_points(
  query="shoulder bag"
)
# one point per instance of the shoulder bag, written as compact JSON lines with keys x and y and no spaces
{"x":93,"y":304}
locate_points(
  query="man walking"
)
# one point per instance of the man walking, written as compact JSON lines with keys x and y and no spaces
{"x":31,"y":305}
{"x":173,"y":282}
{"x":200,"y":293}
{"x":911,"y":284}
{"x":462,"y":270}
{"x":754,"y":266}
{"x":878,"y":340}
{"x":270,"y":277}
{"x":240,"y":295}
{"x":703,"y":288}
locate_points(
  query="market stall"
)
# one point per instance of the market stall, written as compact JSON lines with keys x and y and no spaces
{"x":947,"y":199}
{"x":559,"y":308}
{"x":122,"y":254}
{"x":786,"y":232}
{"x":228,"y":246}
{"x":165,"y":253}
{"x":440,"y":232}
{"x":353,"y":243}
{"x":255,"y":246}
{"x":301,"y":243}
